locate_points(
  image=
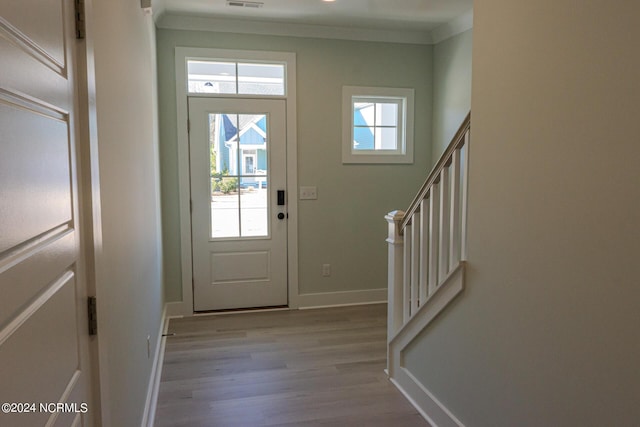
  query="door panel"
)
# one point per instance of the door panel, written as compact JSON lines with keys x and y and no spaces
{"x":238,"y":150}
{"x":37,"y":23}
{"x":20,"y":282}
{"x":43,"y":334}
{"x":241,"y":266}
{"x":39,"y":163}
{"x":28,"y":350}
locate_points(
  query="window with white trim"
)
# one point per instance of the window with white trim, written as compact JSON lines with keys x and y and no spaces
{"x":377,"y":125}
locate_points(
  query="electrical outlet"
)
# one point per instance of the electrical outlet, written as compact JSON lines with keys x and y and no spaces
{"x":326,"y":270}
{"x":308,"y":193}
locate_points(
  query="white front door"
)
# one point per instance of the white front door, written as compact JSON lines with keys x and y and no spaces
{"x":43,"y":331}
{"x":238,"y":181}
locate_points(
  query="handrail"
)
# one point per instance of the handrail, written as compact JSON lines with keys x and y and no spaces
{"x":434,"y":175}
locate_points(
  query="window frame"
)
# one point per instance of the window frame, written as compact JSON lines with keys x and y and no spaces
{"x":404,"y":98}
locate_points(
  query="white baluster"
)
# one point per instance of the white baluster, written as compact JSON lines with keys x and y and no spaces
{"x":406,"y":286}
{"x":465,"y":189}
{"x":454,"y":211}
{"x":443,"y":265}
{"x":416,"y":231}
{"x":434,"y":223}
{"x":424,"y":251}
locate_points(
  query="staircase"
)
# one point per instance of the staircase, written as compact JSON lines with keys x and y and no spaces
{"x":427,"y":256}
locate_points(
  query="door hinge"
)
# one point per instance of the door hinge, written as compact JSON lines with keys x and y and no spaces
{"x":80,"y":19}
{"x":188,"y":126}
{"x":191,"y":206}
{"x":93,"y":315}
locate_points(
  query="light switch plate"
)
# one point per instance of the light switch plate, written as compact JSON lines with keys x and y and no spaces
{"x":308,"y":193}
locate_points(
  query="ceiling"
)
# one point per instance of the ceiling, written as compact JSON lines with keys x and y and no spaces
{"x":389,"y":15}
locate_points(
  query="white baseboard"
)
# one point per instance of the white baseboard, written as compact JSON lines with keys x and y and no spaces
{"x":319,"y":300}
{"x":337,"y":299}
{"x":177,"y":309}
{"x":156,"y":372}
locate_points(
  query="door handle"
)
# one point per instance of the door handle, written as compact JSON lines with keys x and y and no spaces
{"x":281,"y":216}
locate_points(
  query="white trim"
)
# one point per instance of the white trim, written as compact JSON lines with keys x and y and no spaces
{"x":181,"y":55}
{"x":292,"y":180}
{"x":151,"y":402}
{"x":419,"y":396}
{"x":173,"y":21}
{"x":452,"y":28}
{"x":344,"y":298}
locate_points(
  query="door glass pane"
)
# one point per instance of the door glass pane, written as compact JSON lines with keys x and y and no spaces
{"x":223,"y":142}
{"x":224,"y":208}
{"x":239,"y":202}
{"x":253,"y":202}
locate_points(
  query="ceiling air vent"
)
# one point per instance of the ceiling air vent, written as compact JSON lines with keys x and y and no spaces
{"x":240,"y":3}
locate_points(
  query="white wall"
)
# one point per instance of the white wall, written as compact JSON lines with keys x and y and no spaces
{"x":451,"y":89}
{"x":546,"y":333}
{"x":129,"y":268}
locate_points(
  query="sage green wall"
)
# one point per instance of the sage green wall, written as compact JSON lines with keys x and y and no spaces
{"x":546,"y":331}
{"x":451,"y":88}
{"x":345,"y":226}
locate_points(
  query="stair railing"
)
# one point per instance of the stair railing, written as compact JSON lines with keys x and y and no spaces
{"x":427,"y":242}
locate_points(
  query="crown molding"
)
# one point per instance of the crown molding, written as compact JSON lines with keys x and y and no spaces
{"x":454,"y":27}
{"x":199,"y":23}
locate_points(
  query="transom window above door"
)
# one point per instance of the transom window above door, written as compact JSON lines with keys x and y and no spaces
{"x":236,"y":77}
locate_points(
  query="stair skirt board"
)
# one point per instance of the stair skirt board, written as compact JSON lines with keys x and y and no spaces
{"x":424,"y":401}
{"x":419,"y":396}
{"x":344,"y":298}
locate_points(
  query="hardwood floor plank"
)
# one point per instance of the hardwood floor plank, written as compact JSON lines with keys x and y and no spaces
{"x":319,"y":367}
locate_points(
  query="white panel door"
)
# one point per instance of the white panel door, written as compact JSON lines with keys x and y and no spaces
{"x":238,"y":178}
{"x":43,"y":330}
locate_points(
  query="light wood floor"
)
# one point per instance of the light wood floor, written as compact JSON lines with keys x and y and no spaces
{"x":286,"y":368}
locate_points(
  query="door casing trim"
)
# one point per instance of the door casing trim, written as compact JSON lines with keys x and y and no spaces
{"x":184,"y":192}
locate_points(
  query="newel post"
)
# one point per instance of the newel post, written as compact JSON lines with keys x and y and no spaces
{"x":395,"y":273}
